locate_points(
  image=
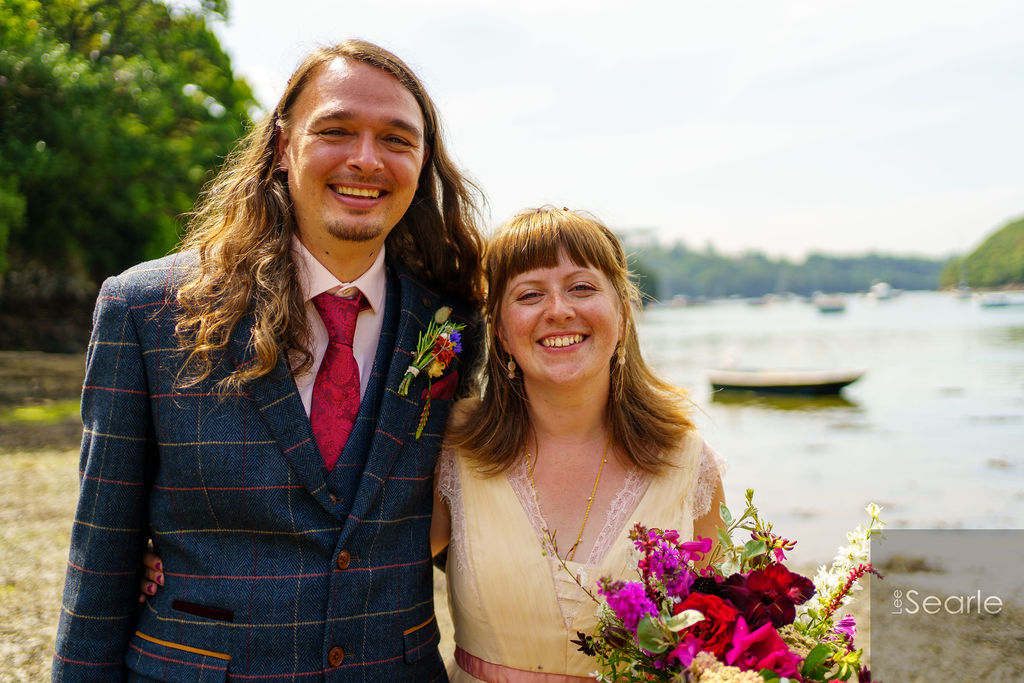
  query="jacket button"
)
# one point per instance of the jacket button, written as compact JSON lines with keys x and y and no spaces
{"x":335,"y":499}
{"x":335,"y":656}
{"x":344,"y":558}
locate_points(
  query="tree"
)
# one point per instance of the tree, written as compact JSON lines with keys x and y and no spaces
{"x":113,"y":113}
{"x":997,"y":261}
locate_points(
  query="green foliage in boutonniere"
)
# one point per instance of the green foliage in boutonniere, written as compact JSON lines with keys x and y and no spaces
{"x":435,"y":350}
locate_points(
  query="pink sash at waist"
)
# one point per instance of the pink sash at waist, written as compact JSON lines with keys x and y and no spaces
{"x":498,"y":673}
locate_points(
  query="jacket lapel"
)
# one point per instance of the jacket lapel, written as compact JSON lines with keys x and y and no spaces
{"x":394,"y":415}
{"x":280,"y":408}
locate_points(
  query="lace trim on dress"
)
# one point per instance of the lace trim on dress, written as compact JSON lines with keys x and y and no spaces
{"x":622,"y":507}
{"x":712,"y":470}
{"x":570,"y":596}
{"x":450,"y":489}
{"x":519,"y":479}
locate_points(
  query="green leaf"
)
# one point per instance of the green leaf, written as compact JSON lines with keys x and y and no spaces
{"x":724,"y":513}
{"x":769,"y":675}
{"x":815,"y":664}
{"x":685,"y":619}
{"x":729,"y":567}
{"x":650,"y":636}
{"x":753,"y":549}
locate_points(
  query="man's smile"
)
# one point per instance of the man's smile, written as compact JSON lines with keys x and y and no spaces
{"x":347,"y":191}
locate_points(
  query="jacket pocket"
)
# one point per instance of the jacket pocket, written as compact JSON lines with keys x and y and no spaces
{"x":421,"y":640}
{"x":166,"y":661}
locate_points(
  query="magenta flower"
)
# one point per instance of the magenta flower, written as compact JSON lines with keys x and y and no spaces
{"x":686,"y":650}
{"x":761,"y":648}
{"x":776,"y":544}
{"x":664,"y":559}
{"x":846,"y":626}
{"x":628,"y":600}
{"x":694,"y":551}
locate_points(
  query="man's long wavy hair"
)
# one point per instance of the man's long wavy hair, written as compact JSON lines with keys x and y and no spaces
{"x":648,"y":417}
{"x":241,"y":234}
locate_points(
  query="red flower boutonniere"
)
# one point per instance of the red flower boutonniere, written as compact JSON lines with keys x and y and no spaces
{"x":435,"y":350}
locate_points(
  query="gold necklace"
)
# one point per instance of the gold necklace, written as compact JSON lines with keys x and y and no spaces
{"x":590,"y":500}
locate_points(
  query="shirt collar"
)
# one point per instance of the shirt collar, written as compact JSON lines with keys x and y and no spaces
{"x":315,"y":278}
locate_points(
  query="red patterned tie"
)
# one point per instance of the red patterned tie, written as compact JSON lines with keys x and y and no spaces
{"x":335,"y":403}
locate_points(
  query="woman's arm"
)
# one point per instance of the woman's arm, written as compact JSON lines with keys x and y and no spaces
{"x":708,"y":524}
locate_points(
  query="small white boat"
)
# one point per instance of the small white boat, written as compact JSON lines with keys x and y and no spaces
{"x":829,"y":303}
{"x":880,"y":291}
{"x":994,"y":300}
{"x":783,"y":381}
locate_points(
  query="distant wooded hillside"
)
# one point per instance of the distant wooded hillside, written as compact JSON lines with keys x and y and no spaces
{"x":997,"y":262}
{"x":668,"y":271}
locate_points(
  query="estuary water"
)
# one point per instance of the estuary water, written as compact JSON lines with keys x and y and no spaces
{"x":933,"y":432}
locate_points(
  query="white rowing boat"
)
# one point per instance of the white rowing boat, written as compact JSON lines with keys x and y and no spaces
{"x":784,"y":381}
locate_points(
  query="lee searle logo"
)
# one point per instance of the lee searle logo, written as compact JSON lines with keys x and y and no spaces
{"x":913,"y":602}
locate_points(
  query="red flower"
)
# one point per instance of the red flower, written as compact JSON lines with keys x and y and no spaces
{"x":715,"y":630}
{"x":768,"y":595}
{"x":444,"y":350}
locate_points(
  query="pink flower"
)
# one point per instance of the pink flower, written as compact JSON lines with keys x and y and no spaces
{"x":694,"y":551}
{"x":759,"y":649}
{"x":686,"y":650}
{"x":775,"y":543}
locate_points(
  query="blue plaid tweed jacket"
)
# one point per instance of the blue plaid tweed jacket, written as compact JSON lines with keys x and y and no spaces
{"x":269,"y":576}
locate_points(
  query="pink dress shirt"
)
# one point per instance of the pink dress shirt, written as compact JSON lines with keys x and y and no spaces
{"x":315,"y":278}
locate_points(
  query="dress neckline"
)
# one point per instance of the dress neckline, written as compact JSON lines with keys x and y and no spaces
{"x":623,"y":505}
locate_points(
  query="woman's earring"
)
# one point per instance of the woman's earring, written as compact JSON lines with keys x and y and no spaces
{"x":511,"y":367}
{"x":621,"y":353}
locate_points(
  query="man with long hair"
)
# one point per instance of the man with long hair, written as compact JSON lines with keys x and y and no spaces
{"x":244,"y":406}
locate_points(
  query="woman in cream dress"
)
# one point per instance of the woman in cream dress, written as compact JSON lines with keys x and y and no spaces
{"x":573,"y":440}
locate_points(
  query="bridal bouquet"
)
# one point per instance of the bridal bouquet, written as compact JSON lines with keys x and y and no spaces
{"x":744,"y":617}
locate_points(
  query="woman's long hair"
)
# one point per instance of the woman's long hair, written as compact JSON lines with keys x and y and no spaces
{"x":648,"y":417}
{"x":241,"y":233}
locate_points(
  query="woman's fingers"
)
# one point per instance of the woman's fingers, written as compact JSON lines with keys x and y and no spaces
{"x":151,"y":560}
{"x":148,"y":588}
{"x":154,"y":575}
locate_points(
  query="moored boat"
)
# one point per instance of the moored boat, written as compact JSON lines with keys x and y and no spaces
{"x":782,"y":381}
{"x":829,"y":303}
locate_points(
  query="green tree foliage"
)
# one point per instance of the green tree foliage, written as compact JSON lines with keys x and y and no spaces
{"x":707,"y":273}
{"x":646,"y":279}
{"x":112,"y":115}
{"x":997,"y":262}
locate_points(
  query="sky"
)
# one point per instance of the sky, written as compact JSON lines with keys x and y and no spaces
{"x":784,"y":127}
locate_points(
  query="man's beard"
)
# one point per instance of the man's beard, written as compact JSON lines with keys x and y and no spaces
{"x":342,"y":230}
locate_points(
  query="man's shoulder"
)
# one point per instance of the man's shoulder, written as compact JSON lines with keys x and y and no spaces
{"x":154,"y":279}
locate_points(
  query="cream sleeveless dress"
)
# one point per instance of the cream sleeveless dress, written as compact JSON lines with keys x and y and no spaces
{"x":516,"y":607}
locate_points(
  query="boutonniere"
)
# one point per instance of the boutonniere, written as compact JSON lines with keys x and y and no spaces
{"x":435,"y":350}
